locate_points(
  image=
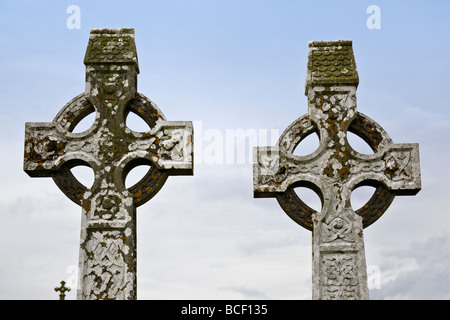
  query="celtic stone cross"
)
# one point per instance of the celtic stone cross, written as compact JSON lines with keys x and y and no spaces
{"x":334,"y":170}
{"x":107,"y":262}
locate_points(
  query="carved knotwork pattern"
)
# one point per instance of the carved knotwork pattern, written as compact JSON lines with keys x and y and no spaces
{"x":395,"y":165}
{"x":339,"y":228}
{"x":339,"y":276}
{"x":106,"y":275}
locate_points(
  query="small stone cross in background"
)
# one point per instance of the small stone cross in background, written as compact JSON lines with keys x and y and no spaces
{"x":62,"y":290}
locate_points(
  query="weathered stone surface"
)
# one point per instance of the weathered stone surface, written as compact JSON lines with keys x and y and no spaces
{"x":334,"y":170}
{"x":107,"y":266}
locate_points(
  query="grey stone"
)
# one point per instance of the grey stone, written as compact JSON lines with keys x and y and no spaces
{"x":334,"y":170}
{"x":107,"y":263}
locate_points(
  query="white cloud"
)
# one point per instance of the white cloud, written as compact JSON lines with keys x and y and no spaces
{"x":418,"y":272}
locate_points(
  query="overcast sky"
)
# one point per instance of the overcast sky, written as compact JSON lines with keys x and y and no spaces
{"x":228,"y":65}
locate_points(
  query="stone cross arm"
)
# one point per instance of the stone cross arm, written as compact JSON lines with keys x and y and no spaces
{"x":48,"y":145}
{"x":397,"y":167}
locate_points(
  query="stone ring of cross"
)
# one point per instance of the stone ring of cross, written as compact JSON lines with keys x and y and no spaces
{"x":75,"y":111}
{"x":365,"y":128}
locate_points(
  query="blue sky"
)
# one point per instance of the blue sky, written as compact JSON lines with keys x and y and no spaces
{"x":228,"y":65}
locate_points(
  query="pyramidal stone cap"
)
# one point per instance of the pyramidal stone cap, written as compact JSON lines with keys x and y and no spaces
{"x":111,"y":46}
{"x":331,"y":63}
